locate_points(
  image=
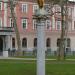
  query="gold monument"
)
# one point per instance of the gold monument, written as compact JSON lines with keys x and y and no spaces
{"x":40,"y":3}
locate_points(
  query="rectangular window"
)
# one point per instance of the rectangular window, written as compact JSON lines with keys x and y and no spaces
{"x":34,"y":24}
{"x":69,"y":11}
{"x":35,"y":7}
{"x":11,"y":22}
{"x":24,"y":23}
{"x":58,"y":9}
{"x":58,"y":25}
{"x":47,"y":8}
{"x":0,"y":5}
{"x":48,"y":24}
{"x":0,"y":22}
{"x":24,"y":8}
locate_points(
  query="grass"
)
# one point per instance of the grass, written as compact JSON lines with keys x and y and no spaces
{"x":25,"y":56}
{"x":16,"y":67}
{"x":70,"y":56}
{"x":47,"y":57}
{"x":60,"y":69}
{"x":26,"y":67}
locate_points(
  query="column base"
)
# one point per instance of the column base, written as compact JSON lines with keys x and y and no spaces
{"x":5,"y":53}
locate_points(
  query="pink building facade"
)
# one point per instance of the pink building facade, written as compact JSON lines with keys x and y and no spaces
{"x":27,"y":26}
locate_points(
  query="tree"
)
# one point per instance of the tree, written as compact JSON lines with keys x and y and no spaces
{"x":63,"y":30}
{"x":19,"y":52}
{"x":62,"y":3}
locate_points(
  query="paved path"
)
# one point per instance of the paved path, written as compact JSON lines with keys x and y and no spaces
{"x":15,"y":58}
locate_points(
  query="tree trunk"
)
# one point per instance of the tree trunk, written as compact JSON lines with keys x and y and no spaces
{"x":62,"y":39}
{"x":19,"y":52}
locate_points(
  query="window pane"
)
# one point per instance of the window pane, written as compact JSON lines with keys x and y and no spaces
{"x":24,"y":42}
{"x":35,"y":42}
{"x":58,"y":42}
{"x":24,"y":8}
{"x":11,"y":23}
{"x":48,"y":42}
{"x":34,"y":24}
{"x":35,"y":7}
{"x":13,"y":42}
{"x":58,"y":25}
{"x":48,"y":24}
{"x":68,"y":42}
{"x":24,"y":23}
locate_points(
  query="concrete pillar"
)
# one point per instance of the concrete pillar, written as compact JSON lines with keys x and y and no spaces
{"x":7,"y":46}
{"x":5,"y":13}
{"x":53,"y":22}
{"x":10,"y":42}
{"x":5,"y":53}
{"x":40,"y":48}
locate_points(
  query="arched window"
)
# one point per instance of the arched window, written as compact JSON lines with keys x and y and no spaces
{"x":58,"y":42}
{"x":48,"y":42}
{"x":67,"y":42}
{"x":35,"y":42}
{"x":24,"y":42}
{"x":13,"y":42}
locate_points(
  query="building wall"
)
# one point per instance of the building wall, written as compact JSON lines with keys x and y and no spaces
{"x":30,"y":33}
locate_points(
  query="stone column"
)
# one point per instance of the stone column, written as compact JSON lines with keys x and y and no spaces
{"x":40,"y":16}
{"x":40,"y":48}
{"x":5,"y":13}
{"x":7,"y":46}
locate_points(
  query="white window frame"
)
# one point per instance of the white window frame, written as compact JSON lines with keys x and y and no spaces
{"x":58,"y":21}
{"x":11,"y":23}
{"x":35,"y":7}
{"x":1,"y":22}
{"x":24,"y":21}
{"x":47,"y":9}
{"x":1,"y":6}
{"x":70,"y":11}
{"x":24,"y":5}
{"x":58,"y":9}
{"x":48,"y":23}
{"x":34,"y":24}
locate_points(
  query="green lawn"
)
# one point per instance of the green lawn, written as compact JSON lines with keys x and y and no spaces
{"x":17,"y":67}
{"x":60,"y":68}
{"x":47,"y":57}
{"x":23,"y":67}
